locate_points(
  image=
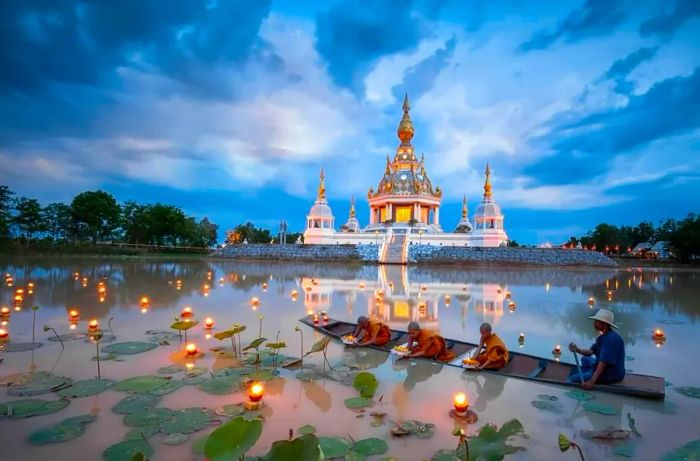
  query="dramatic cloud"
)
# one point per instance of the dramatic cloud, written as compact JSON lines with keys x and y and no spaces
{"x":596,"y":17}
{"x":621,"y":68}
{"x":666,"y":25}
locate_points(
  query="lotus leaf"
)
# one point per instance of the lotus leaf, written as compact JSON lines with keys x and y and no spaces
{"x":599,"y":408}
{"x":158,"y":336}
{"x":31,"y":407}
{"x":198,"y":444}
{"x":196,"y":371}
{"x":151,"y":417}
{"x":689,"y":451}
{"x":418,"y":428}
{"x":171,"y":369}
{"x":67,"y":429}
{"x":236,"y":329}
{"x":671,"y":322}
{"x":231,"y":371}
{"x":170,"y":386}
{"x":222,"y":385}
{"x":86,"y":387}
{"x":632,"y":424}
{"x":309,"y":376}
{"x":135,"y":403}
{"x":231,"y":410}
{"x":689,"y":391}
{"x":551,"y":398}
{"x":319,"y":345}
{"x":19,"y":347}
{"x":254,"y":344}
{"x":41,"y":382}
{"x":581,"y":396}
{"x":187,"y":420}
{"x":262,"y":375}
{"x":68,"y":337}
{"x":128,"y":348}
{"x":445,"y":455}
{"x":306,"y":429}
{"x":366,"y":384}
{"x":18,"y":378}
{"x":546,"y":405}
{"x":304,"y":448}
{"x":127,"y":450}
{"x":176,"y":439}
{"x":233,"y":439}
{"x":184,"y":325}
{"x":627,"y":450}
{"x":371,"y":446}
{"x":354,"y":456}
{"x":276,"y":345}
{"x":142,"y":432}
{"x":141,"y":384}
{"x":492,"y":444}
{"x":104,"y":358}
{"x":355,"y":403}
{"x":194,"y":380}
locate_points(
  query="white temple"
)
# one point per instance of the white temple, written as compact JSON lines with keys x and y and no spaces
{"x":405,"y":208}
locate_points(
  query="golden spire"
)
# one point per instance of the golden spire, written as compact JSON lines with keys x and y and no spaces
{"x":321,"y":186}
{"x":405,"y":130}
{"x":465,"y":210}
{"x":487,"y":183}
{"x":352,"y":207}
{"x":387,"y":171}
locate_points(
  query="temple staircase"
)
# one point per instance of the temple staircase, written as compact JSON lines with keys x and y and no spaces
{"x":395,"y":250}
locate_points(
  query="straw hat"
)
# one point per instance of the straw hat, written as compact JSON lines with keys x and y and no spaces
{"x":605,"y":316}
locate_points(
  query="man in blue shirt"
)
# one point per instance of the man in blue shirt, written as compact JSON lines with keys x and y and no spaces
{"x":609,"y":351}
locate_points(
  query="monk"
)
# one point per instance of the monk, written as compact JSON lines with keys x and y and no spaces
{"x":492,"y":353}
{"x":375,"y":333}
{"x":427,"y":344}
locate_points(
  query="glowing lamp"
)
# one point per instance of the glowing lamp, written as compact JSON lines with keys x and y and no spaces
{"x":145,"y":301}
{"x":208,"y":322}
{"x":187,"y":312}
{"x":295,"y":294}
{"x":19,"y":291}
{"x":4,"y":312}
{"x":264,"y":286}
{"x":144,"y":310}
{"x":73,"y":314}
{"x":19,"y":298}
{"x":316,"y":319}
{"x":521,"y":337}
{"x":511,"y":306}
{"x":591,"y":300}
{"x":73,"y":326}
{"x":254,"y":301}
{"x":659,"y":335}
{"x":362,"y":286}
{"x":30,"y":285}
{"x":255,"y":392}
{"x":448,"y":299}
{"x":191,"y":349}
{"x":556,"y":350}
{"x":460,"y":403}
{"x":93,"y":325}
{"x":324,"y":316}
{"x":4,"y":335}
{"x":508,"y":295}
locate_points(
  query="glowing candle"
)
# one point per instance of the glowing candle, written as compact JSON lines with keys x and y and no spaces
{"x":315,"y":319}
{"x":557,"y":350}
{"x":19,"y":291}
{"x":324,"y":316}
{"x":264,"y":286}
{"x":74,"y":314}
{"x":659,"y":334}
{"x":448,"y":299}
{"x":254,"y":301}
{"x":19,"y":298}
{"x":362,"y":286}
{"x":5,"y":312}
{"x":30,"y":285}
{"x":255,"y":392}
{"x":93,"y":325}
{"x":4,"y":335}
{"x":591,"y":300}
{"x":521,"y":337}
{"x":145,"y":301}
{"x":209,"y":322}
{"x":191,"y":349}
{"x":508,"y":294}
{"x":511,"y":306}
{"x":295,"y":293}
{"x":186,"y":312}
{"x":460,"y":403}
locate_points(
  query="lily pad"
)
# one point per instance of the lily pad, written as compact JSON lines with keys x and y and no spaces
{"x":254,"y":344}
{"x":141,"y":432}
{"x":152,"y":417}
{"x":546,"y":405}
{"x":236,"y":329}
{"x":231,"y":410}
{"x":355,"y":403}
{"x":689,"y":451}
{"x":127,"y":450}
{"x":354,"y":456}
{"x":222,"y":385}
{"x":135,"y":403}
{"x":445,"y":455}
{"x":689,"y":391}
{"x":371,"y":446}
{"x":233,"y":439}
{"x":419,"y":429}
{"x":176,"y":439}
{"x":366,"y":384}
{"x":67,"y":429}
{"x":187,"y":420}
{"x":19,"y":347}
{"x":334,"y":447}
{"x":306,"y":429}
{"x":551,"y":398}
{"x":581,"y":396}
{"x":171,"y":369}
{"x":627,"y":450}
{"x":194,"y":380}
{"x":159,"y":336}
{"x":141,"y":384}
{"x":492,"y":444}
{"x":68,"y":337}
{"x":86,"y":387}
{"x":309,"y":376}
{"x":128,"y":348}
{"x":198,"y":444}
{"x":262,"y":375}
{"x":599,"y":408}
{"x":31,"y":407}
{"x":171,"y":386}
{"x":183,"y":325}
{"x":304,"y":448}
{"x":40,"y":382}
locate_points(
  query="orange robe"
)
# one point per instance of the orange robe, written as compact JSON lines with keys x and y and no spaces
{"x":380,"y":329}
{"x":433,"y":345}
{"x":495,"y":351}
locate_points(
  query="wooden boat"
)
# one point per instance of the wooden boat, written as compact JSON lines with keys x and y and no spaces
{"x":521,"y":366}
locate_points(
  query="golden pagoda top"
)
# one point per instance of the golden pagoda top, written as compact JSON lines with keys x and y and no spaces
{"x":487,"y":183}
{"x":321,"y":186}
{"x":352,"y":207}
{"x":465,"y":210}
{"x":405,"y":130}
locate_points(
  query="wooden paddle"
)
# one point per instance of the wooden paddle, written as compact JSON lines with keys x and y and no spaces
{"x":578,"y":365}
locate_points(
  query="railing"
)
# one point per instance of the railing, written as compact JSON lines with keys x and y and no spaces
{"x":146,"y":246}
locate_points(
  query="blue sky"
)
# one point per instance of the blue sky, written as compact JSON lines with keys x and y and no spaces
{"x":588,"y":111}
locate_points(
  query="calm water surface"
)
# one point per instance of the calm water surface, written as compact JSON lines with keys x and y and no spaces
{"x":551,"y":308}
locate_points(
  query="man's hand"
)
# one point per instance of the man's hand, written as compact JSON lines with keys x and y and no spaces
{"x":573,"y":347}
{"x":588,"y":385}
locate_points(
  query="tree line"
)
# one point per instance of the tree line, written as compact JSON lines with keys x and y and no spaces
{"x":682,"y":237}
{"x":95,"y":217}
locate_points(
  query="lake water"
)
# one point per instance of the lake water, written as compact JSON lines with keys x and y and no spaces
{"x":551,"y":308}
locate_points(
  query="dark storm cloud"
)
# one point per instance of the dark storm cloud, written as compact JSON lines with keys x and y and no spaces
{"x":582,"y":147}
{"x":420,"y":78}
{"x":621,"y":68}
{"x":351,"y":35}
{"x":596,"y":17}
{"x":666,"y":24}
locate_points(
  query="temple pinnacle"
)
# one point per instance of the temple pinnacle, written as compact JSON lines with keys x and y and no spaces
{"x":321,"y":186}
{"x":487,"y":183}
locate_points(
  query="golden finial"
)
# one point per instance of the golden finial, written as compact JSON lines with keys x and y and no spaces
{"x":387,"y":171}
{"x":352,"y":207}
{"x":465,"y":210}
{"x":487,"y":183}
{"x":405,"y":131}
{"x":406,"y":104}
{"x":321,"y":186}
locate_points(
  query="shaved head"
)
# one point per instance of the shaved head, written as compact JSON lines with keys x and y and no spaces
{"x":413,"y":326}
{"x":485,"y":328}
{"x":362,"y":319}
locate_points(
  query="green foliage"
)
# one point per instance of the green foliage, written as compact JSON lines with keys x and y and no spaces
{"x":234,"y":330}
{"x":689,"y":391}
{"x":233,"y":439}
{"x":492,"y":444}
{"x":31,"y":407}
{"x":366,"y":384}
{"x":355,"y":403}
{"x":303,"y":448}
{"x":135,"y":403}
{"x":306,"y":429}
{"x":85,"y":388}
{"x":40,"y":382}
{"x":247,"y":232}
{"x":128,"y":348}
{"x":128,"y":450}
{"x":96,"y":214}
{"x":5,"y":207}
{"x":28,"y":218}
{"x":370,"y":447}
{"x":319,"y":345}
{"x":599,"y":408}
{"x":334,"y":447}
{"x":186,"y":421}
{"x":689,"y":451}
{"x":141,"y":384}
{"x":67,"y":429}
{"x":184,"y":325}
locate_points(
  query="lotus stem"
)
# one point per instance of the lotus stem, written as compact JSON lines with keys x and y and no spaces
{"x":109,"y":326}
{"x":33,"y":322}
{"x":233,"y":345}
{"x":260,"y":327}
{"x":97,"y":348}
{"x":580,"y":453}
{"x":46,"y":327}
{"x":301,"y":355}
{"x":240,"y":351}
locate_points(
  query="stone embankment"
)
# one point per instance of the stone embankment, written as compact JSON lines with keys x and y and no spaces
{"x":420,"y":255}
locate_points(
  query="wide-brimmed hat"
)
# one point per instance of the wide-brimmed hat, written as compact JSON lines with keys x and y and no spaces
{"x":605,"y":316}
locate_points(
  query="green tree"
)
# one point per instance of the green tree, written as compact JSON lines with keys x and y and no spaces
{"x":685,"y":240}
{"x":133,"y":222}
{"x":96,"y":215}
{"x":57,"y":220}
{"x":248,"y":232}
{"x":209,"y":231}
{"x":5,"y":208}
{"x":165,"y":224}
{"x":28,"y":218}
